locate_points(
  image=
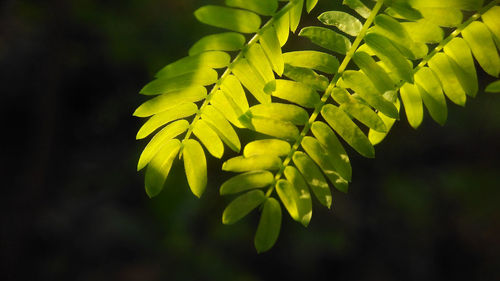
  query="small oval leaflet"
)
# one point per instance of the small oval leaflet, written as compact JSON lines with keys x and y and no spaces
{"x":246,"y":181}
{"x":227,"y":41}
{"x":201,"y":77}
{"x":296,"y":92}
{"x":412,"y":102}
{"x":269,"y":226}
{"x":343,"y":21}
{"x":195,"y":165}
{"x":242,"y":205}
{"x":312,"y":59}
{"x":228,"y":18}
{"x":327,"y":39}
{"x":301,"y":195}
{"x":313,"y":177}
{"x":211,"y":59}
{"x":159,"y":167}
{"x":281,"y":111}
{"x":209,"y":138}
{"x":267,"y":147}
{"x":182,"y":111}
{"x":258,"y":162}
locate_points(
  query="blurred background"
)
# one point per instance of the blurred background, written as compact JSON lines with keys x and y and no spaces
{"x":74,"y":208}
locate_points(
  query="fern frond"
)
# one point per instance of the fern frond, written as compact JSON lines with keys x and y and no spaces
{"x":181,"y":93}
{"x":391,"y":51}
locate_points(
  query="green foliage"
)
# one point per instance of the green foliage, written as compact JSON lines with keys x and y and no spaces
{"x":315,"y":100}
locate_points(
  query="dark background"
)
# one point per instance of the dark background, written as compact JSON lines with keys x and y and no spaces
{"x":74,"y":208}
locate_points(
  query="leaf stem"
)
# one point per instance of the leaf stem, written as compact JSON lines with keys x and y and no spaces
{"x":328,"y":91}
{"x":226,"y":73}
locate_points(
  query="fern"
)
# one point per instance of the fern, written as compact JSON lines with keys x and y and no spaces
{"x":385,"y":63}
{"x":182,"y":84}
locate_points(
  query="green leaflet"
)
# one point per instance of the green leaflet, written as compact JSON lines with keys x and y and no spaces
{"x":359,"y":7}
{"x":442,"y":67}
{"x":202,"y":77}
{"x":492,"y":21}
{"x":403,"y":10}
{"x":233,"y":91}
{"x":396,"y":33}
{"x":171,"y":100}
{"x":269,"y":226}
{"x":226,"y":106}
{"x":242,"y":205}
{"x":432,"y":94}
{"x":228,"y":18}
{"x":462,"y":63}
{"x":469,"y":5}
{"x":376,"y":137}
{"x":158,"y":169}
{"x":280,"y":111}
{"x":156,"y":143}
{"x":272,"y":127}
{"x":384,"y":49}
{"x":448,"y":17}
{"x":227,"y":41}
{"x":481,"y":43}
{"x":282,"y":26}
{"x":257,"y":162}
{"x":257,"y":58}
{"x":221,"y":126}
{"x":267,"y":147}
{"x":327,"y":39}
{"x":336,"y":152}
{"x":377,"y":74}
{"x":263,"y":7}
{"x":251,"y":80}
{"x":364,"y":115}
{"x":360,"y":83}
{"x":271,"y":45}
{"x":412,"y":102}
{"x":181,"y":111}
{"x":246,"y":181}
{"x":298,"y":200}
{"x":424,"y":31}
{"x":296,"y":92}
{"x":295,"y":15}
{"x":493,"y":87}
{"x":195,"y":165}
{"x":313,"y":177}
{"x":314,"y":60}
{"x":322,"y":159}
{"x":341,"y":95}
{"x":210,"y":59}
{"x":310,"y":4}
{"x":306,"y":76}
{"x":209,"y":138}
{"x":343,"y":21}
{"x":344,"y":126}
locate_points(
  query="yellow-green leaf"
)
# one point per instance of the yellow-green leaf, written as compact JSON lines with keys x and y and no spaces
{"x":156,"y":143}
{"x":296,"y":92}
{"x":314,"y":60}
{"x":227,"y":41}
{"x":263,"y":7}
{"x":343,"y":21}
{"x":271,"y":45}
{"x":246,"y":181}
{"x":170,"y":100}
{"x":251,"y":79}
{"x":442,"y":67}
{"x":281,"y":111}
{"x":222,"y":127}
{"x":299,"y":195}
{"x":313,"y":177}
{"x":267,"y":147}
{"x":272,"y":127}
{"x":159,"y":168}
{"x":211,"y":59}
{"x":202,"y":76}
{"x":365,"y":115}
{"x":181,"y":111}
{"x":209,"y":138}
{"x":377,"y":74}
{"x":327,"y":39}
{"x":412,"y":102}
{"x":306,"y":76}
{"x":348,"y":130}
{"x":376,"y":137}
{"x":228,"y":18}
{"x":257,"y":58}
{"x":493,"y":87}
{"x":295,"y":14}
{"x":282,"y":26}
{"x":432,"y":94}
{"x":269,"y":226}
{"x":481,"y":43}
{"x":252,"y":163}
{"x":242,"y":205}
{"x":463,"y":64}
{"x":195,"y":165}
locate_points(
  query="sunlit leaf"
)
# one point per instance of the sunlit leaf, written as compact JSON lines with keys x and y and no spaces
{"x":280,"y":111}
{"x":377,"y":74}
{"x":246,"y":181}
{"x":327,"y":39}
{"x":227,"y":41}
{"x":462,"y":63}
{"x":228,"y":18}
{"x":195,"y":166}
{"x":267,"y":147}
{"x":211,"y":59}
{"x":257,"y":58}
{"x":298,"y":199}
{"x":343,"y":21}
{"x":269,"y":226}
{"x":306,"y":76}
{"x":201,"y":77}
{"x":359,"y":7}
{"x":170,"y":100}
{"x":159,"y":168}
{"x":252,"y":163}
{"x":181,"y":111}
{"x":412,"y":102}
{"x":263,"y":7}
{"x":493,"y":87}
{"x":295,"y":14}
{"x":432,"y":94}
{"x":221,"y":126}
{"x":251,"y":80}
{"x":312,"y":59}
{"x":313,"y":177}
{"x":271,"y":45}
{"x":242,"y":205}
{"x":209,"y":138}
{"x":481,"y":43}
{"x":442,"y":67}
